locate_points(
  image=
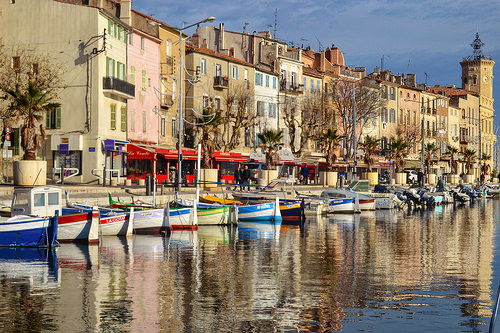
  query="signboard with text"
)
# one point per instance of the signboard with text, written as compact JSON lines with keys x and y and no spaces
{"x":64,"y":149}
{"x":109,"y":144}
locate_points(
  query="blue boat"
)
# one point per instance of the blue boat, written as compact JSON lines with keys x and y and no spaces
{"x":267,"y":212}
{"x":28,"y":231}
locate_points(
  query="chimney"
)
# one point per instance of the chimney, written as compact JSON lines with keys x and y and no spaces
{"x":125,"y":8}
{"x":322,"y":61}
{"x":195,"y":39}
{"x":221,"y":36}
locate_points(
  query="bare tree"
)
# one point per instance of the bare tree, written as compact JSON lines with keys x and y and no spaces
{"x":312,"y":119}
{"x":290,"y":112}
{"x":354,"y":117}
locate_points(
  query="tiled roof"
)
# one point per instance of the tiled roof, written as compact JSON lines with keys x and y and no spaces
{"x":451,"y":91}
{"x":216,"y":54}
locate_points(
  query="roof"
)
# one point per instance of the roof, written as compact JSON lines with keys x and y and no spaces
{"x":190,"y":47}
{"x":451,"y":91}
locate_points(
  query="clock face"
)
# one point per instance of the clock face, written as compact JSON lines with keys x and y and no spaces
{"x":485,"y":78}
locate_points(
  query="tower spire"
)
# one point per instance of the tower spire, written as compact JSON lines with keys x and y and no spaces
{"x":476,"y":45}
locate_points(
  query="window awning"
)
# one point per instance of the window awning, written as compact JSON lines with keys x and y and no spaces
{"x":137,"y":152}
{"x":230,"y":157}
{"x":172,"y":154}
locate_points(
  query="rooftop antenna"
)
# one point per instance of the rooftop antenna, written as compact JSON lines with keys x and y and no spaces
{"x":426,"y":77}
{"x":408,"y":67}
{"x":320,"y":46}
{"x":275,"y":22}
{"x":301,"y":42}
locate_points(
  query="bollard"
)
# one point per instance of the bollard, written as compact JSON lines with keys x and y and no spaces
{"x":148,"y":185}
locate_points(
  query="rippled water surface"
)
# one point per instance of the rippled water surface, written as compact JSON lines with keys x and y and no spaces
{"x":432,"y":271}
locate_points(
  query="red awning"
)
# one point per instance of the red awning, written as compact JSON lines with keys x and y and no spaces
{"x":231,"y":157}
{"x":172,"y":154}
{"x":136,"y":152}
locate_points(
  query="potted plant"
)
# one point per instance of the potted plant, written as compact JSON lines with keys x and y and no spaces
{"x":398,"y":150}
{"x":329,"y":141}
{"x":29,"y":107}
{"x":453,"y":152}
{"x":468,"y":157}
{"x":485,"y":168}
{"x":430,"y":150}
{"x":370,"y":146}
{"x":270,"y":141}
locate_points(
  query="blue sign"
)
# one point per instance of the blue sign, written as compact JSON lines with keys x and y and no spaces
{"x":109,"y":144}
{"x":91,"y":149}
{"x":120,"y":150}
{"x":64,"y":149}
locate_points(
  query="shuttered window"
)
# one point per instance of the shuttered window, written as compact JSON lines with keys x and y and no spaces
{"x":113,"y":116}
{"x":144,"y":80}
{"x":123,"y":119}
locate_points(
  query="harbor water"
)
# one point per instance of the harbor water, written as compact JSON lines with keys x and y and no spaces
{"x":434,"y":270}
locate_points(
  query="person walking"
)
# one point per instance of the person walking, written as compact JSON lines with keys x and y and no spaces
{"x":237,"y":177}
{"x":305,"y":174}
{"x":245,"y":177}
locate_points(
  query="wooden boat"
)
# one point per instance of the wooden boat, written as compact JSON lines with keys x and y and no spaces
{"x":28,"y":231}
{"x":292,"y":212}
{"x":214,"y":215}
{"x":340,"y":200}
{"x":211,"y":199}
{"x":262,"y":213}
{"x":45,"y":201}
{"x":127,"y":205}
{"x":182,"y":219}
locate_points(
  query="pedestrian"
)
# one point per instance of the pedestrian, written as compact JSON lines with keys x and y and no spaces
{"x":245,"y":177}
{"x":305,"y":174}
{"x":237,"y":177}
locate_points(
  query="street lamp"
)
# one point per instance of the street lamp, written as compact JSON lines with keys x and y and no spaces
{"x":180,"y":116}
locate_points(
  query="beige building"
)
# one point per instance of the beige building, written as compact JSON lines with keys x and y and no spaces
{"x":95,"y":92}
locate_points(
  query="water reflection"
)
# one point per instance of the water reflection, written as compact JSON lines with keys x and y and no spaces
{"x":412,"y":271}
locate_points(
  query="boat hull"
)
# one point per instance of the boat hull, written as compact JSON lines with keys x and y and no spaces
{"x":114,"y":225}
{"x":79,"y":227}
{"x":150,"y":221}
{"x":213,"y":216}
{"x":182,"y":219}
{"x":264,"y":213}
{"x":291,"y":213}
{"x":368,"y":204}
{"x":345,"y":205}
{"x":28,"y":231}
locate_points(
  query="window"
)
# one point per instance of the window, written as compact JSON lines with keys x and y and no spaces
{"x":110,"y":67}
{"x":203,"y":66}
{"x":123,"y":119}
{"x":312,"y":85}
{"x":318,"y":88}
{"x":132,"y":120}
{"x":384,"y":115}
{"x":267,"y":81}
{"x":168,"y":47}
{"x":144,"y":124}
{"x":205,"y":102}
{"x":305,"y":84}
{"x":384,"y":91}
{"x":113,"y":116}
{"x":39,"y":199}
{"x":392,"y":116}
{"x":119,"y":33}
{"x":163,"y":126}
{"x":217,"y":103}
{"x":218,"y":70}
{"x":110,"y":28}
{"x":132,"y":75}
{"x":274,"y":110}
{"x":144,"y":80}
{"x":257,"y":79}
{"x":293,"y":79}
{"x":270,"y":110}
{"x":53,"y":199}
{"x":392,"y":93}
{"x":142,"y":43}
{"x":235,"y":73}
{"x":274,"y":82}
{"x":53,"y":119}
{"x":16,"y":62}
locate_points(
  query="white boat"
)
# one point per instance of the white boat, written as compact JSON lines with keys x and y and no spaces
{"x":150,"y":221}
{"x":315,"y":207}
{"x":264,"y":213}
{"x":340,"y":201}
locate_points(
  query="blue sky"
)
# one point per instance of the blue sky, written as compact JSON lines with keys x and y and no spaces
{"x":413,"y":36}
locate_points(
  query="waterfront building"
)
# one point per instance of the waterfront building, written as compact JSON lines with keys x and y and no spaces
{"x":91,"y":45}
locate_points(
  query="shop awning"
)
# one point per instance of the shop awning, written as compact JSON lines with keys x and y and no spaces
{"x":140,"y":152}
{"x":172,"y":154}
{"x":231,"y":157}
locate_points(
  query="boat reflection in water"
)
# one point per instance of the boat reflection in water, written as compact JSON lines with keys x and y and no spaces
{"x":258,"y":230}
{"x":36,"y":266}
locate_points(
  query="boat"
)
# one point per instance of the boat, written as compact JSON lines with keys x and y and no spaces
{"x":126,"y":205}
{"x":150,"y":221}
{"x":112,"y":221}
{"x":214,"y":215}
{"x":292,"y":212}
{"x":182,"y":219}
{"x":263,"y":213}
{"x":45,"y":201}
{"x":340,"y":201}
{"x":282,"y":188}
{"x":211,"y":199}
{"x":314,"y":207}
{"x":22,"y":230}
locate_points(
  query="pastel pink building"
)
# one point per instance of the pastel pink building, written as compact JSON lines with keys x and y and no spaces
{"x":144,"y":72}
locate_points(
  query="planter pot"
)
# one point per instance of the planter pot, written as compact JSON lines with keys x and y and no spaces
{"x":372,"y":177}
{"x":469,"y":179}
{"x":328,"y":178}
{"x":401,"y":178}
{"x":453,"y":179}
{"x":30,"y":173}
{"x":209,"y":175}
{"x":264,"y":177}
{"x":432,"y":179}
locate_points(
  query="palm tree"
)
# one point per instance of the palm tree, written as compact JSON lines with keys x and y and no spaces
{"x":485,"y":167}
{"x":430,"y":149}
{"x":30,"y":107}
{"x":330,"y":139}
{"x":369,"y":146}
{"x":452,"y":152}
{"x":270,"y":140}
{"x":207,"y":124}
{"x":469,"y":155}
{"x":398,"y":150}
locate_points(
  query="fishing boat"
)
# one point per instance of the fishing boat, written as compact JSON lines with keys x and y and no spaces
{"x":212,"y":199}
{"x":282,"y":188}
{"x":292,"y":212}
{"x":45,"y":201}
{"x":340,"y":201}
{"x":263,"y":213}
{"x":182,"y":219}
{"x":125,"y":205}
{"x":28,"y":231}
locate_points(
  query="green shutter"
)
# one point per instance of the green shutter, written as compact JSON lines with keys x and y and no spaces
{"x":114,"y":68}
{"x":119,"y":33}
{"x":143,"y":80}
{"x":115,"y":28}
{"x":47,"y":118}
{"x":58,"y":118}
{"x":107,"y":66}
{"x":132,"y":75}
{"x":124,"y":119}
{"x":109,"y":27}
{"x":125,"y":36}
{"x":113,"y":116}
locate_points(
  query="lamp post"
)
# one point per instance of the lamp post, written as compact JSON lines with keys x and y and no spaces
{"x":180,"y":112}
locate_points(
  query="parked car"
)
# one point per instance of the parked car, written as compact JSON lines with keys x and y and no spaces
{"x":411,"y":176}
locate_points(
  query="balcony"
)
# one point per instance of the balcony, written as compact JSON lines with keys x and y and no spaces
{"x":118,"y":87}
{"x":167,"y":101}
{"x":297,"y":88}
{"x":221,"y":82}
